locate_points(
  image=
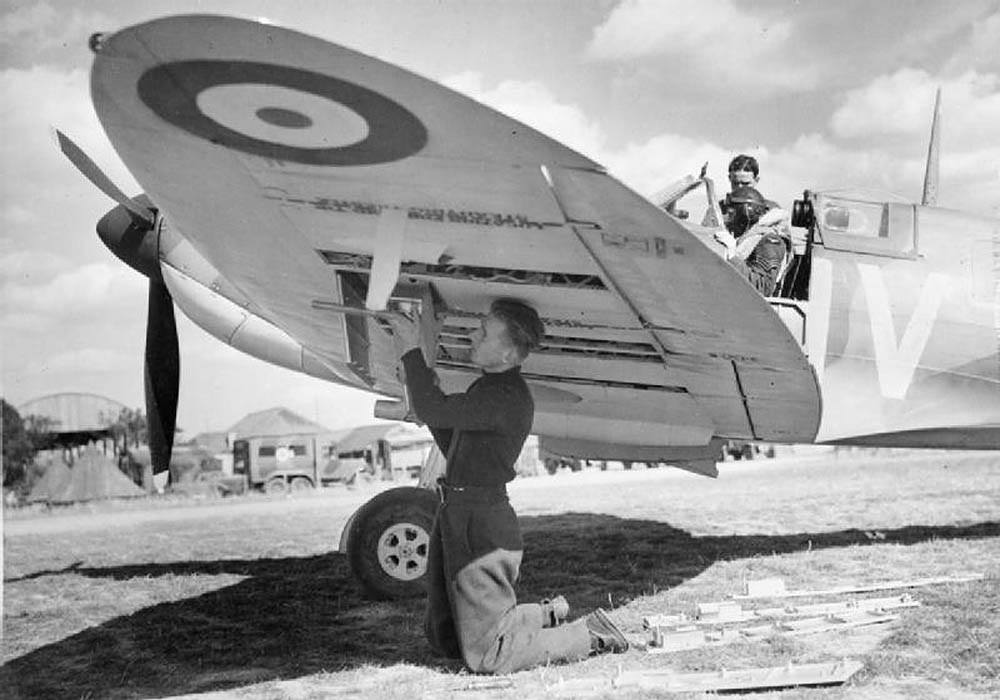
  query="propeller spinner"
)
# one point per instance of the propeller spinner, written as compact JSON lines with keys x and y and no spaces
{"x":131,"y":231}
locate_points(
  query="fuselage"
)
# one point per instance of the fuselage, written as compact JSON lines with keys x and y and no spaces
{"x":896,"y":306}
{"x":902,"y":326}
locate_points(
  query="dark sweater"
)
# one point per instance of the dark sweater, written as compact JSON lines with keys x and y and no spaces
{"x":493,"y":416}
{"x":764,"y":263}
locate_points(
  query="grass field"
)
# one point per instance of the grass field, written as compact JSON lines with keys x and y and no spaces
{"x":244,"y":597}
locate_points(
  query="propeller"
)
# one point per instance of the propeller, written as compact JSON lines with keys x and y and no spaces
{"x":92,"y":172}
{"x":131,"y":232}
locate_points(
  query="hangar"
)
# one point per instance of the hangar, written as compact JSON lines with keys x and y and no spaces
{"x":75,"y":418}
{"x":79,"y":453}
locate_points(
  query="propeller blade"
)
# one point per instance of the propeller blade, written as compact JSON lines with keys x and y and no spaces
{"x":162,"y":375}
{"x":93,"y":173}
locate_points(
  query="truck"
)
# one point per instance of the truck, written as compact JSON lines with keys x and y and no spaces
{"x":293,"y":463}
{"x":289,"y":463}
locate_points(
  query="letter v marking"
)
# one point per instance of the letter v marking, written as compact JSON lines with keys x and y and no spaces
{"x":896,"y":363}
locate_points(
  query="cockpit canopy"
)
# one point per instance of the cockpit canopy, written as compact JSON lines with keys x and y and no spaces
{"x":857,"y":225}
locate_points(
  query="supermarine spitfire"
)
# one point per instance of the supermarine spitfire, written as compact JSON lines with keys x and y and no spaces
{"x":296,"y":190}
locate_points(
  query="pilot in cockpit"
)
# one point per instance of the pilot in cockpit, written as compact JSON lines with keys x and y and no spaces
{"x":757,"y":237}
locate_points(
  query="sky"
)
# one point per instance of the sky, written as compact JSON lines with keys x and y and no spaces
{"x":824,"y":94}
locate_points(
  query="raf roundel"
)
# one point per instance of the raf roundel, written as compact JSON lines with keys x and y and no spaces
{"x":282,"y":113}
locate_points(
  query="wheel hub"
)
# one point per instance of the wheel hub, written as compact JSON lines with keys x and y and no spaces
{"x":402,"y":551}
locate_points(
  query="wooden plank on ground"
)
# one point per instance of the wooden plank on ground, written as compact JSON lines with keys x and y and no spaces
{"x":746,"y":679}
{"x":740,"y":679}
{"x":775,"y":588}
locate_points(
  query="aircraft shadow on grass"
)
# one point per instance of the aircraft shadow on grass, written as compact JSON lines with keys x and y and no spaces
{"x":299,"y":616}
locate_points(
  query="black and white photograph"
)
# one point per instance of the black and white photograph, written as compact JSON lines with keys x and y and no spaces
{"x":502,"y":349}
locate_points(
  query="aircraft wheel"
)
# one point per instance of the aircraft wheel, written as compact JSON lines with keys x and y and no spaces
{"x":301,"y":484}
{"x":275,"y":486}
{"x":388,"y":542}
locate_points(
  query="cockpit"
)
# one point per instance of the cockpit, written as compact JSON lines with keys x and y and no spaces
{"x":840,"y":220}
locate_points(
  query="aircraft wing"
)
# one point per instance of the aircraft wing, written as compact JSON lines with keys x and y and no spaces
{"x":307,"y":174}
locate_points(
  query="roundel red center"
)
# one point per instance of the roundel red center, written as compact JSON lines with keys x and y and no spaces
{"x":287,"y":118}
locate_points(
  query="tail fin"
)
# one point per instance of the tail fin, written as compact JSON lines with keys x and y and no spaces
{"x":932,"y":173}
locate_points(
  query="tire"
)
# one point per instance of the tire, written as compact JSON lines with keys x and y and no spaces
{"x":301,"y":484}
{"x":276,"y":486}
{"x":388,"y":542}
{"x":552,"y":466}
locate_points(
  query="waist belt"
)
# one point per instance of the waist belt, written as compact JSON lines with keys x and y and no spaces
{"x":449,"y":493}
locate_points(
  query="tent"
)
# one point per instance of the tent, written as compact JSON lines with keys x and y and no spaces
{"x":53,"y":481}
{"x":96,"y":476}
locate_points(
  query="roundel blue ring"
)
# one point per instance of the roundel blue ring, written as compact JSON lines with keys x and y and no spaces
{"x":171,"y":91}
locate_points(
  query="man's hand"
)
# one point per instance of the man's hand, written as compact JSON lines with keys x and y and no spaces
{"x":406,"y":333}
{"x":728,"y":242}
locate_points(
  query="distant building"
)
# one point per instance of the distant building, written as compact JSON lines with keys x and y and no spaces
{"x":402,"y":447}
{"x":75,"y":418}
{"x":273,"y":422}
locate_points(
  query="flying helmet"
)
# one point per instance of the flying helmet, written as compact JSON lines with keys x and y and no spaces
{"x":742,"y":208}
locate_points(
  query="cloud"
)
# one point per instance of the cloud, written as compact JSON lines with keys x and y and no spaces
{"x":30,"y":32}
{"x":901,"y":103}
{"x":73,"y":293}
{"x":890,"y":104}
{"x":44,"y":201}
{"x":637,"y":28}
{"x":17,"y":215}
{"x":28,"y":22}
{"x":23,"y":265}
{"x":534,"y":104}
{"x":715,"y":44}
{"x":980,"y":50}
{"x":84,"y":360}
{"x":34,"y":99}
{"x":889,"y":120}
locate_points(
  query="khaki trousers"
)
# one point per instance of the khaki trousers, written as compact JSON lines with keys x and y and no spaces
{"x":472,"y":613}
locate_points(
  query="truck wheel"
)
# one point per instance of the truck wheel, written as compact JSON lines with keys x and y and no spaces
{"x":276,"y":486}
{"x":301,"y":484}
{"x":388,"y":542}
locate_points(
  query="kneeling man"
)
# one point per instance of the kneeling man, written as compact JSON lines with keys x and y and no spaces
{"x":476,"y":547}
